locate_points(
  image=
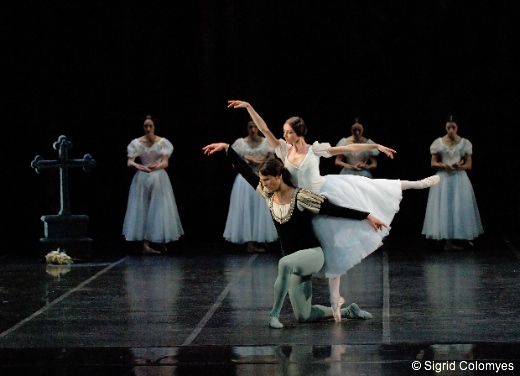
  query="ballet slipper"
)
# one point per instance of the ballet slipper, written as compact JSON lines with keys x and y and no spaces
{"x":250,"y":247}
{"x":259,"y":248}
{"x":275,"y":323}
{"x":150,"y":251}
{"x":449,"y":246}
{"x":336,"y":309}
{"x":354,"y":312}
{"x":430,"y":181}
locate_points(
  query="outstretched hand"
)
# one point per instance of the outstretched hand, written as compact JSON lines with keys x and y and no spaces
{"x":237,"y":104}
{"x":389,"y":152}
{"x":213,"y":148}
{"x":375,"y":223}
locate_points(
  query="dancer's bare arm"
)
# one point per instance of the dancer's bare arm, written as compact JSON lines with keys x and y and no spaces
{"x":260,"y":123}
{"x":355,"y":148}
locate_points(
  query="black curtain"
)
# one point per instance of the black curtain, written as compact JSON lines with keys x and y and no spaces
{"x":92,"y":73}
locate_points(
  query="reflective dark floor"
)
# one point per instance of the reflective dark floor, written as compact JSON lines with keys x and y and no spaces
{"x":200,"y":312}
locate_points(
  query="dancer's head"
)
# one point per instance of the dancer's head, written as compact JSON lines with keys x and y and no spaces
{"x":273,"y":174}
{"x":252,"y":129}
{"x":293,"y":129}
{"x":357,"y":130}
{"x":149,"y":125}
{"x":451,"y":126}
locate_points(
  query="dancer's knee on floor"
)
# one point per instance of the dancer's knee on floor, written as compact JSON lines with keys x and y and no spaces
{"x":316,"y":314}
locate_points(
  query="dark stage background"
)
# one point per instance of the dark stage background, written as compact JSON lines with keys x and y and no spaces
{"x":92,"y":72}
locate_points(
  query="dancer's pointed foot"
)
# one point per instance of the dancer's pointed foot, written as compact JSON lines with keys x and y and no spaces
{"x":354,"y":312}
{"x":147,"y":250}
{"x":253,"y":247}
{"x":430,"y":181}
{"x":450,"y":246}
{"x":336,"y":309}
{"x":275,"y":323}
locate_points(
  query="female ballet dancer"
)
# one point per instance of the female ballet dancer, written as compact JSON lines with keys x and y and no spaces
{"x":151,"y":213}
{"x":345,"y":242}
{"x":292,"y":210}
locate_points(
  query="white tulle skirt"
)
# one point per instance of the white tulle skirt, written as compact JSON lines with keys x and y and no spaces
{"x":346,"y":242}
{"x":452,"y":212}
{"x":151,"y":213}
{"x":249,"y":219}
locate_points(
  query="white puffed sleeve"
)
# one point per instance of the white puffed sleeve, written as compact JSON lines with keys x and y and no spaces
{"x":436,"y":146}
{"x":265,"y":147}
{"x":239,"y":146}
{"x":372,"y":152}
{"x":166,"y":147}
{"x":321,"y":150}
{"x":133,"y":149}
{"x":468,"y":147}
{"x":342,"y":142}
{"x":282,"y":149}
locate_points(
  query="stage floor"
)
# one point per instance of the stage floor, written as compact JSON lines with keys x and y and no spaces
{"x":195,"y":312}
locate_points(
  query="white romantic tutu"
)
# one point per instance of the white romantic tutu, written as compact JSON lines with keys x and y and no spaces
{"x":249,"y":219}
{"x":346,"y":242}
{"x":151,"y":212}
{"x":452,"y":211}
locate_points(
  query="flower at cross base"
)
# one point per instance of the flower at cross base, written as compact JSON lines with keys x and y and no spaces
{"x":58,"y":258}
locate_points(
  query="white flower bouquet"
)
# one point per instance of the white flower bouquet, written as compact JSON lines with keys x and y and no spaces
{"x":58,"y":258}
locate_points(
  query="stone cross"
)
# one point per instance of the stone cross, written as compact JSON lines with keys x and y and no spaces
{"x":63,"y":163}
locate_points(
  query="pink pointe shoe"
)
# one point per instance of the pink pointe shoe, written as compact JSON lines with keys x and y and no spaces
{"x":430,"y":181}
{"x":336,"y":309}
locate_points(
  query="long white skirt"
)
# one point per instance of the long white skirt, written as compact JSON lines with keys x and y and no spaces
{"x":452,"y":212}
{"x":249,"y":219}
{"x":346,"y":242}
{"x":151,"y":213}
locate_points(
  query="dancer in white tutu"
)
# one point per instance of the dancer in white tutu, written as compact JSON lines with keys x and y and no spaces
{"x":345,"y":242}
{"x":292,"y":210}
{"x":452,"y":212}
{"x":249,"y":220}
{"x":151,"y":213}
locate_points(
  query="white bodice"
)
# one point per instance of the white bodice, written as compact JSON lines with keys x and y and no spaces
{"x":151,"y":154}
{"x":260,"y":150}
{"x":359,"y":157}
{"x":453,"y":154}
{"x":307,"y":175}
{"x":243,"y":148}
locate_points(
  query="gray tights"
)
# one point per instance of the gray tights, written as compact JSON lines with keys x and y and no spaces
{"x":295,"y":277}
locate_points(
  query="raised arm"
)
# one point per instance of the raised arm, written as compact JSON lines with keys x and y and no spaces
{"x":354,"y":148}
{"x":260,"y":123}
{"x":238,"y":163}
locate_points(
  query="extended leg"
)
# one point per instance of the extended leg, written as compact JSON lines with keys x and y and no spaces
{"x":420,"y":184}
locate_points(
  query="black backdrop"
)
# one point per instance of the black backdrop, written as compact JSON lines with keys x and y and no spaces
{"x":92,"y":72}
